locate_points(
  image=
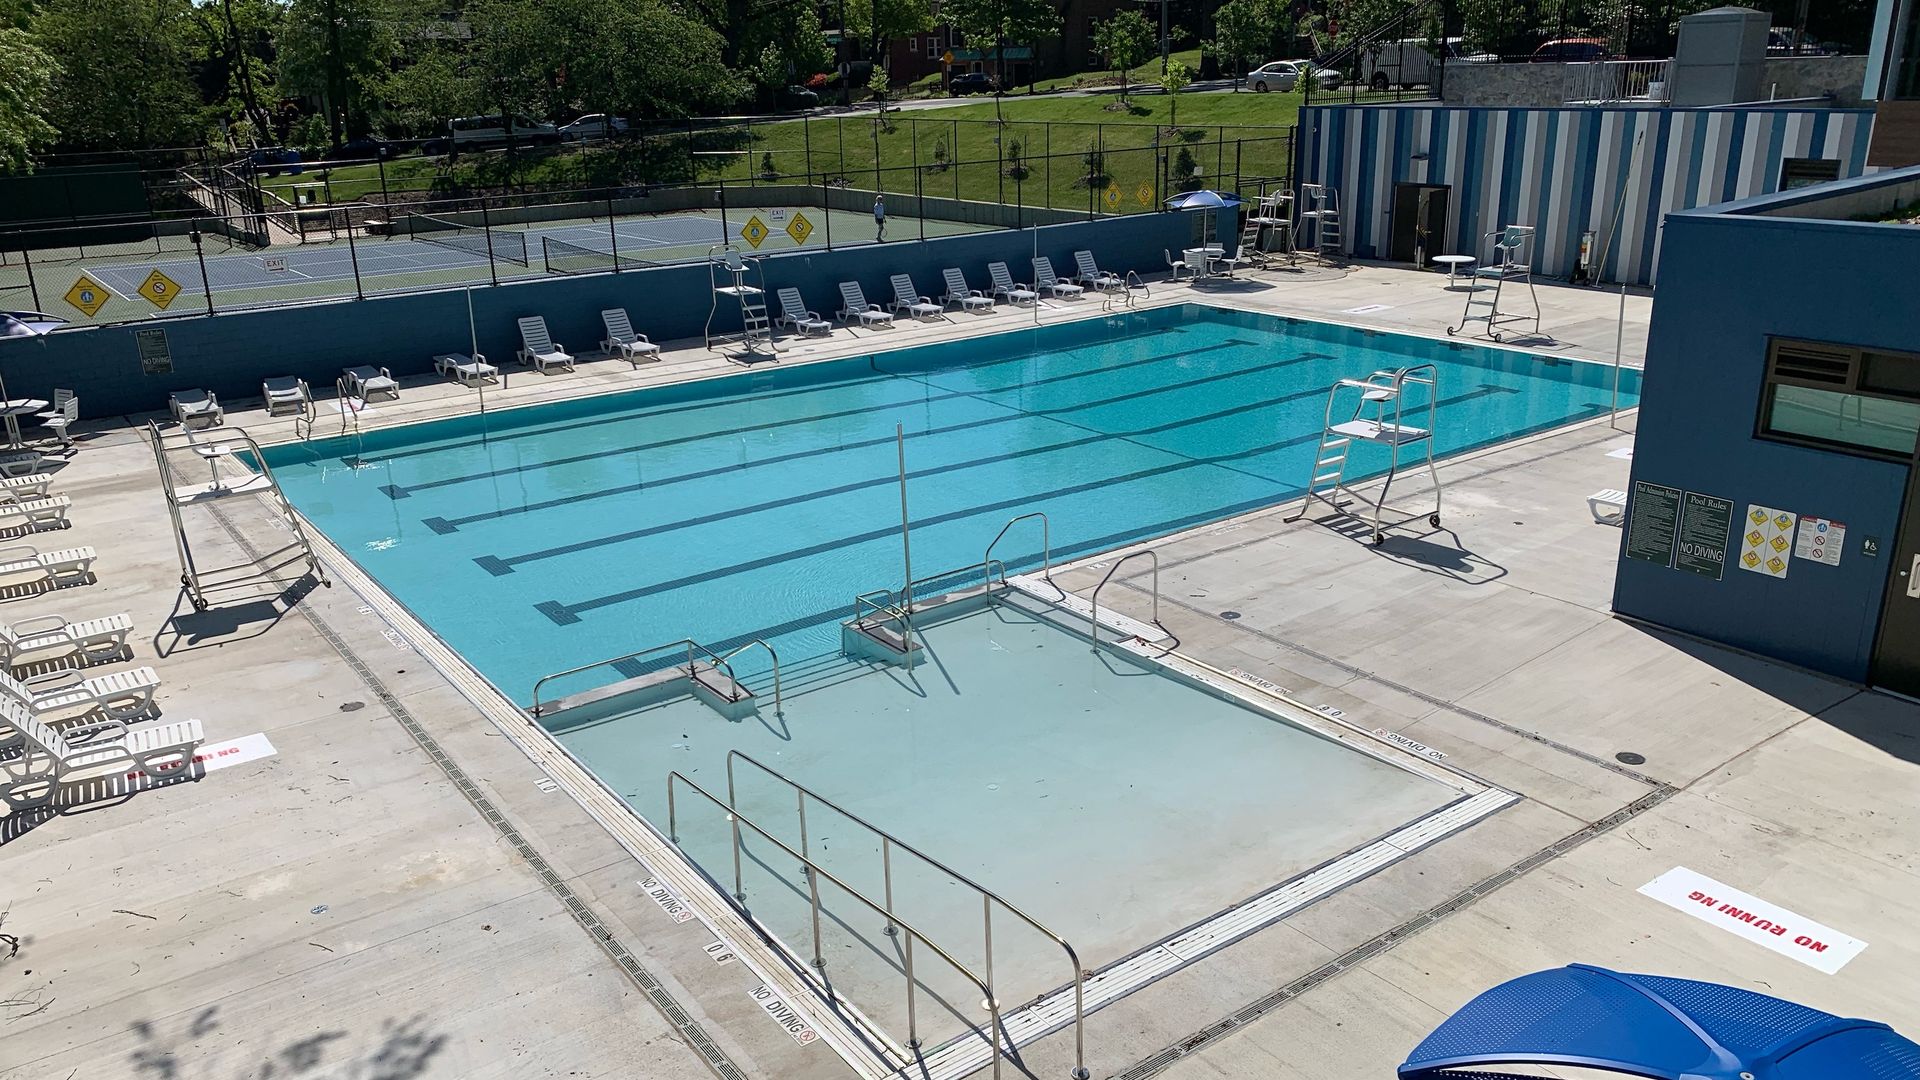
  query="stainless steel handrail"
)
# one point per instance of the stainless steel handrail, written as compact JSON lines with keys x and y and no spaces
{"x":691,"y":646}
{"x":886,"y":607}
{"x":814,"y":873}
{"x":986,"y":566}
{"x":1046,"y":547}
{"x":774,"y":656}
{"x":887,"y":843}
{"x":1094,"y":629}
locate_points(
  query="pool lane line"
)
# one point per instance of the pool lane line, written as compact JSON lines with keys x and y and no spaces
{"x":676,"y":1015}
{"x":734,"y":399}
{"x":494,"y":564}
{"x":448,"y":525}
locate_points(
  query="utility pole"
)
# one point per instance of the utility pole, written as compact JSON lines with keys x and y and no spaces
{"x":1163,"y":35}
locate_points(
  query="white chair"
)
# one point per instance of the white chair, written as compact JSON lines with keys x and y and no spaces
{"x":192,"y":408}
{"x":23,"y":565}
{"x":51,"y":637}
{"x":21,"y":486}
{"x":538,"y":350}
{"x":794,"y":313}
{"x":469,"y":370}
{"x":623,"y":341}
{"x":286,"y":392}
{"x":51,"y":759}
{"x":116,"y":696}
{"x":63,"y":416}
{"x":907,"y":299}
{"x":854,"y":307}
{"x":1005,"y":288}
{"x":366,"y":380}
{"x":1092,"y":276}
{"x":16,"y":513}
{"x":1045,"y":278}
{"x":1176,"y":265}
{"x":958,"y":292}
{"x":1608,"y":506}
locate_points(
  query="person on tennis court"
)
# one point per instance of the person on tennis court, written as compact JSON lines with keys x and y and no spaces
{"x":879,"y":218}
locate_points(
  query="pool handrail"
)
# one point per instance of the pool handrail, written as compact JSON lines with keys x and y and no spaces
{"x":1093,"y":630}
{"x":1046,"y":548}
{"x":691,"y":646}
{"x":886,"y":607}
{"x":814,"y":872}
{"x":888,"y":841}
{"x":773,"y":656}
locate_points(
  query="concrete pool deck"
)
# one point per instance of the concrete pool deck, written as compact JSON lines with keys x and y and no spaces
{"x":397,"y":885}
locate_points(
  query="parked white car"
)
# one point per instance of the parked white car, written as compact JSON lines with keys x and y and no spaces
{"x":1282,"y":74}
{"x":497,"y":130}
{"x":594,"y":126}
{"x":1413,"y":62}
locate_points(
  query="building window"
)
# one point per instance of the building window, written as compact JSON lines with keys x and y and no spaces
{"x":1863,"y":401}
{"x":933,"y":48}
{"x":913,"y":45}
{"x":1796,"y":172}
{"x":955,"y":41}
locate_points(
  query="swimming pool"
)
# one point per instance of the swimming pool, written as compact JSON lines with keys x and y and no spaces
{"x":757,"y":505}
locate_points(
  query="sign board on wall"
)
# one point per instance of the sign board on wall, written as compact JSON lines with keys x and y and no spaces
{"x":1767,"y":540}
{"x":1769,"y":925}
{"x":1652,"y":525}
{"x":155,"y":357}
{"x":1820,"y":540}
{"x":1705,"y":523}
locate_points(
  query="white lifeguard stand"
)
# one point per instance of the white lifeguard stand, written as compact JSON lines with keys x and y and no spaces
{"x":740,"y":281}
{"x":1510,"y":260}
{"x":1379,"y":415}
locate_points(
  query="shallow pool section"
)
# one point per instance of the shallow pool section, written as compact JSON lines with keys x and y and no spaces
{"x":1112,"y":799}
{"x":758,"y":505}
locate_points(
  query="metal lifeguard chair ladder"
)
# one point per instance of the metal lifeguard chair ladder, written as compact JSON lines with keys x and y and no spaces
{"x":1274,"y":214}
{"x":1320,"y":211}
{"x":235,"y":469}
{"x":755,"y":336}
{"x":1510,"y":261}
{"x":1379,"y":415}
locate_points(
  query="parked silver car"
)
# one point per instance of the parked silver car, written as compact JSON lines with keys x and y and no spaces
{"x":1282,"y":74}
{"x":594,"y":126}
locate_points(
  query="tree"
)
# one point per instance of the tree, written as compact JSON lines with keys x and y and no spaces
{"x":339,"y":51}
{"x":879,"y":21}
{"x":1178,"y":77}
{"x":1125,"y":40}
{"x":123,"y":72}
{"x":27,"y":74}
{"x":1002,"y":21}
{"x":1244,"y":31}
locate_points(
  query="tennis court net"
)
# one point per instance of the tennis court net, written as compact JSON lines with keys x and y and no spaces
{"x":506,"y":244}
{"x":561,"y":257}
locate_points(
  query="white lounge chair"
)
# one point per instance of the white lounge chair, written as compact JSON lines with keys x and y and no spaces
{"x":21,"y":462}
{"x":50,"y":637}
{"x":467,"y":369}
{"x":1005,"y":288}
{"x":1092,"y":277}
{"x":63,"y":416}
{"x":22,"y":486}
{"x":28,"y":512}
{"x":196,"y":407}
{"x":906,"y":298}
{"x":1045,"y":278}
{"x":23,"y":565}
{"x":51,"y":759}
{"x":623,"y":341}
{"x":117,"y":696}
{"x":286,"y":392}
{"x":1175,"y":265}
{"x":854,"y":307}
{"x":366,"y":380}
{"x":794,"y":313}
{"x":538,"y":350}
{"x":1608,"y":506}
{"x":958,"y":292}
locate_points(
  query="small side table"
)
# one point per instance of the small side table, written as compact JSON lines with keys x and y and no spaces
{"x":1455,"y":264}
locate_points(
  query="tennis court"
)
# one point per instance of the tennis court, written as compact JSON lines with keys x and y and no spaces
{"x":428,"y":253}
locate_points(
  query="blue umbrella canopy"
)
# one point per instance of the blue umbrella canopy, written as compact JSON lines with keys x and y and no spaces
{"x":28,"y":323}
{"x":1651,"y":1026}
{"x":1204,"y":199}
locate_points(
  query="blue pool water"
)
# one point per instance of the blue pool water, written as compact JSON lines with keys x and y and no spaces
{"x":758,"y":505}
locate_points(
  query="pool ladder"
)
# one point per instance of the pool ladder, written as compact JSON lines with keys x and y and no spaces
{"x":1122,"y":298}
{"x":1093,"y":629}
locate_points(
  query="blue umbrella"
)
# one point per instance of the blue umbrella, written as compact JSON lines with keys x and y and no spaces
{"x":28,"y":323}
{"x":1204,"y":199}
{"x":1653,"y":1026}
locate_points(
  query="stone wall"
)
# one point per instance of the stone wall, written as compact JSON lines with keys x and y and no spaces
{"x":1545,"y":86}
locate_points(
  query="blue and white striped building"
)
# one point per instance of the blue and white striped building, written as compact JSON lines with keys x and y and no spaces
{"x":1564,"y":170}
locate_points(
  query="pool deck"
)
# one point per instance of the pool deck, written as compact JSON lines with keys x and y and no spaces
{"x":398,"y":892}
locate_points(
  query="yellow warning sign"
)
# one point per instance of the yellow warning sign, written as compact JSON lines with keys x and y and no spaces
{"x":1112,"y":196}
{"x":754,"y":231}
{"x":159,"y":289}
{"x":1144,"y":193}
{"x":799,"y":228}
{"x":88,"y":295}
{"x":947,"y":57}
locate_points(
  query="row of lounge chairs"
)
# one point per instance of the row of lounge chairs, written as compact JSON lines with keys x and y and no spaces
{"x":61,"y":723}
{"x":855,"y":310}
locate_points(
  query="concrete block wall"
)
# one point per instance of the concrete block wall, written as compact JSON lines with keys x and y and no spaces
{"x":230,"y":353}
{"x":1547,"y":86}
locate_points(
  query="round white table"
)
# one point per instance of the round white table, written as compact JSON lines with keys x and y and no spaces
{"x":1203,"y":257}
{"x":1455,"y":264}
{"x":13,"y":410}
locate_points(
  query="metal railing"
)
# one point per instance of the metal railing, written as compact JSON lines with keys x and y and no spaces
{"x":895,"y":925}
{"x":887,"y":843}
{"x":692,"y":647}
{"x":884,"y":608}
{"x":1046,"y":548}
{"x":772,"y":656}
{"x":1094,"y":619}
